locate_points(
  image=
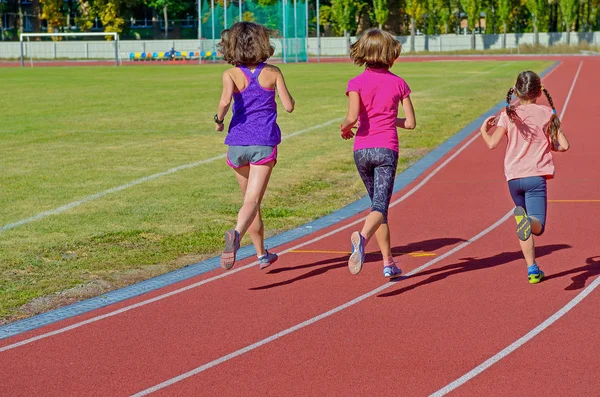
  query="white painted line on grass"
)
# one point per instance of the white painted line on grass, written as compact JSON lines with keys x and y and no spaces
{"x":191,"y":286}
{"x":313,"y":320}
{"x":233,"y":271}
{"x":170,"y":171}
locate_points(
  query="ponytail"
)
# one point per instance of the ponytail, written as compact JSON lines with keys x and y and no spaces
{"x":510,"y":110}
{"x":554,"y":125}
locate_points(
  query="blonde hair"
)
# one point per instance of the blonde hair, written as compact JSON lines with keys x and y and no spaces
{"x":375,"y":48}
{"x":246,"y":43}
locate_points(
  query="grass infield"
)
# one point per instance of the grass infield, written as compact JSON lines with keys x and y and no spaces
{"x":71,"y":133}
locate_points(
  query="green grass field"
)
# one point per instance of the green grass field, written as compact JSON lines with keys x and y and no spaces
{"x":70,"y":133}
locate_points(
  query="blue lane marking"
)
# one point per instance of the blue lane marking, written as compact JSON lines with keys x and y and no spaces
{"x":401,"y":181}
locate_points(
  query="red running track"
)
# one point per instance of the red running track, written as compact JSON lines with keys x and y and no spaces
{"x":412,"y":337}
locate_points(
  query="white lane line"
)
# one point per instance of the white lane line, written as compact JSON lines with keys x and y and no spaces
{"x":170,"y":171}
{"x":191,"y":286}
{"x":482,"y":367}
{"x":313,"y":320}
{"x":571,"y":91}
{"x":208,"y":280}
{"x":520,"y":342}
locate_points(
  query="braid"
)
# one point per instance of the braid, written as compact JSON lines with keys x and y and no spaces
{"x":554,"y":126}
{"x":510,"y":110}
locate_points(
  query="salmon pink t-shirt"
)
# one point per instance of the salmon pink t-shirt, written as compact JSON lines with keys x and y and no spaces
{"x":528,"y":149}
{"x":380,"y":91}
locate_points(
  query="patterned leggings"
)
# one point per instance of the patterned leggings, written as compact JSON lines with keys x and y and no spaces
{"x":377,"y":168}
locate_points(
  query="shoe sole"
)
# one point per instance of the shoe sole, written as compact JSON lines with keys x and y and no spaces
{"x":355,"y":261}
{"x":536,"y":278}
{"x":393,"y":276}
{"x":266,"y":265}
{"x":523,"y":224}
{"x":228,"y":255}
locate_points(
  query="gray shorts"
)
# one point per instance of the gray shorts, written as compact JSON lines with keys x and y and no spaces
{"x":241,"y":156}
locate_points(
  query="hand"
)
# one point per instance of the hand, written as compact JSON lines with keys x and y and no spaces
{"x":219,"y":127}
{"x":346,"y":133}
{"x":489,"y":123}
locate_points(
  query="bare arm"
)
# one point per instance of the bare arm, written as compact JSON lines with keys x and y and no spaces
{"x":225,"y":101}
{"x":351,"y":116}
{"x":286,"y":98}
{"x":409,"y":122}
{"x":497,"y":134}
{"x":563,"y":143}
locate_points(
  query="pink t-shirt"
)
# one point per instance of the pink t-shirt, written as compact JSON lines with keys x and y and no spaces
{"x":380,"y":94}
{"x":528,"y":149}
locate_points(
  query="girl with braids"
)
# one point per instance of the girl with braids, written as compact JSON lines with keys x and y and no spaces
{"x":373,"y":100}
{"x":532,"y":132}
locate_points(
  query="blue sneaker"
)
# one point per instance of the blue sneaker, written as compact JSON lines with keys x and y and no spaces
{"x":534,"y":274}
{"x":357,"y":258}
{"x":392,"y":272}
{"x":267,"y":260}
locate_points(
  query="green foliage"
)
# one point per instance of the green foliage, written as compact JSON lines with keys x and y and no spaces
{"x":568,"y":9}
{"x":381,"y":11}
{"x":85,"y":17}
{"x":108,"y":11}
{"x":52,"y":13}
{"x":344,"y":14}
{"x":472,"y":9}
{"x":539,"y":9}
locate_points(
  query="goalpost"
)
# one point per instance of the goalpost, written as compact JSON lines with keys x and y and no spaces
{"x":114,"y":35}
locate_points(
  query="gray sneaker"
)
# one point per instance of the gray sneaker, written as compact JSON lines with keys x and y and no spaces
{"x":267,"y":260}
{"x":232,"y":244}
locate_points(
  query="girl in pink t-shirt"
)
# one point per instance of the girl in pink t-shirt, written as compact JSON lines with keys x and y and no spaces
{"x":374,"y":97}
{"x":532,"y":132}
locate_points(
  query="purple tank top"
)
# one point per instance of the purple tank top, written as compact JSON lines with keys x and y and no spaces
{"x":254,"y":120}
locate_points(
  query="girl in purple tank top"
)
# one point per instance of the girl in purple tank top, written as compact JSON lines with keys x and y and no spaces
{"x":253,"y":131}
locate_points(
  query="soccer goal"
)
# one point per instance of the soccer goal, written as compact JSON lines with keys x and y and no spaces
{"x":70,"y":47}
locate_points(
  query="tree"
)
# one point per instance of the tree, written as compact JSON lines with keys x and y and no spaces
{"x":415,"y":9}
{"x":539,"y":14}
{"x":166,"y":5}
{"x":344,"y":14}
{"x":444,"y":12}
{"x":52,"y":13}
{"x":381,"y":11}
{"x":473,"y":10}
{"x":504,"y":7}
{"x":569,"y":12}
{"x":86,"y":15}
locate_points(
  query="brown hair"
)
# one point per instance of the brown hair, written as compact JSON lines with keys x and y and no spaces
{"x":376,"y":48}
{"x":529,"y":87}
{"x":246,"y":43}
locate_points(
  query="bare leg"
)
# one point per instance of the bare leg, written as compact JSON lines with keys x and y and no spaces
{"x":372,"y":223}
{"x":253,"y":181}
{"x":383,"y":240}
{"x":528,"y":248}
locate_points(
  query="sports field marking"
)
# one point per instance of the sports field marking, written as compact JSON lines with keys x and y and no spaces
{"x":531,"y":334}
{"x":415,"y":254}
{"x":250,"y":265}
{"x":520,"y":342}
{"x":170,"y":171}
{"x":313,"y":320}
{"x":238,"y":269}
{"x":377,"y":290}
